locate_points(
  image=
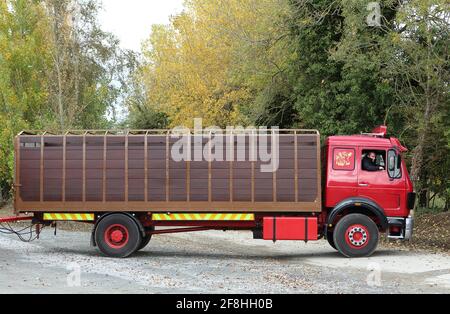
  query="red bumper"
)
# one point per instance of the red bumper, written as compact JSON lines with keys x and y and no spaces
{"x":14,"y":219}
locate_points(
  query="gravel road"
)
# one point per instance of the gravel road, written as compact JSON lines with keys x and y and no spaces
{"x":213,"y":262}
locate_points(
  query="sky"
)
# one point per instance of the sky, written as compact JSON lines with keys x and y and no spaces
{"x":131,"y":20}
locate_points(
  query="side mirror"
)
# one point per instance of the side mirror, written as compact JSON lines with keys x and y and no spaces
{"x":394,"y":165}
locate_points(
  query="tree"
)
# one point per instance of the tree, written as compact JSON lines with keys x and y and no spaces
{"x":335,"y":76}
{"x":23,"y":87}
{"x":212,"y":60}
{"x":140,"y":115}
{"x":58,"y":70}
{"x":89,"y":69}
{"x":420,"y":67}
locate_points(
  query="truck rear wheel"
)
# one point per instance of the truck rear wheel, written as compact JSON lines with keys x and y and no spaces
{"x":145,"y":240}
{"x":356,"y":235}
{"x":118,"y":235}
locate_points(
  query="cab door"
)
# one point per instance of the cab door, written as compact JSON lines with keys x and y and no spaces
{"x":381,"y":186}
{"x":342,"y":174}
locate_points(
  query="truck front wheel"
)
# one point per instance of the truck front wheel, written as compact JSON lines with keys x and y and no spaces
{"x":330,"y":239}
{"x":356,"y":235}
{"x":118,"y":235}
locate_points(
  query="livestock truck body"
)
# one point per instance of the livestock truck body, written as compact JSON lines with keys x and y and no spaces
{"x":129,"y":186}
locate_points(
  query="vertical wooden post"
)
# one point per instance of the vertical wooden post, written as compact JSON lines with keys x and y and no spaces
{"x":84,"y":170}
{"x":250,"y":156}
{"x":63,"y":197}
{"x":188,"y":169}
{"x":167,"y":166}
{"x":41,"y":173}
{"x":231,"y":162}
{"x":17,"y":164}
{"x":274,"y":173}
{"x":105,"y":142}
{"x":126,"y":167}
{"x":296,"y":166}
{"x":319,"y":170}
{"x":146,"y":167}
{"x":209,"y":167}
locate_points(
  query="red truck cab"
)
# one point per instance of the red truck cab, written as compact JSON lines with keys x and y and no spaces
{"x":385,"y":194}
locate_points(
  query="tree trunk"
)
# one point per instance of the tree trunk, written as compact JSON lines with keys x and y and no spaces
{"x":60,"y":96}
{"x":423,"y":128}
{"x":423,"y":198}
{"x":417,"y":160}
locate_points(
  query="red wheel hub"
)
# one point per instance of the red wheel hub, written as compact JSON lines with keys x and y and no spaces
{"x":116,"y":236}
{"x":357,"y":236}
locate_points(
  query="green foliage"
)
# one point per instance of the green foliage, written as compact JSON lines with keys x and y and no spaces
{"x":335,"y":78}
{"x":23,"y":89}
{"x":418,"y":64}
{"x":142,"y":116}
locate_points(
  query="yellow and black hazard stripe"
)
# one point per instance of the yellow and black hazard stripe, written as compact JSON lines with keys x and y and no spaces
{"x":68,"y":217}
{"x":203,"y":217}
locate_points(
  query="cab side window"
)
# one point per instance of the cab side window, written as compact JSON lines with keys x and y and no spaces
{"x":373,"y":160}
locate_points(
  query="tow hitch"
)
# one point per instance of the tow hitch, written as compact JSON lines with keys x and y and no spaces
{"x":25,"y":234}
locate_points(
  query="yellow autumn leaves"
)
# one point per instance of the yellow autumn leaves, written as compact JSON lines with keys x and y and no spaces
{"x":211,"y":59}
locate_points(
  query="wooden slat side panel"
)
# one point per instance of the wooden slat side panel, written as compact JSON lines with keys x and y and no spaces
{"x":94,"y":168}
{"x":199,"y":176}
{"x":187,"y":184}
{"x":136,"y":168}
{"x":115,"y":169}
{"x":242,"y":170}
{"x":177,"y":175}
{"x":177,"y":181}
{"x":199,"y":181}
{"x":286,"y":171}
{"x":74,"y":168}
{"x":156,"y":151}
{"x":308,"y":164}
{"x":29,"y":162}
{"x":220,"y":176}
{"x":52,"y":176}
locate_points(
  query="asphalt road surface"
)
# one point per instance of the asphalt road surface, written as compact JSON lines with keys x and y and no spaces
{"x":213,"y":262}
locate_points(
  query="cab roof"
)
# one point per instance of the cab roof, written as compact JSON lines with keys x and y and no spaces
{"x":365,"y":140}
{"x":378,"y":138}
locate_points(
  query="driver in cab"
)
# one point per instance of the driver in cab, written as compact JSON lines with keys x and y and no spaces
{"x":369,"y":162}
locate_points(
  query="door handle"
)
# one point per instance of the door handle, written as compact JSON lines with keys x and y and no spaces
{"x":363,"y":184}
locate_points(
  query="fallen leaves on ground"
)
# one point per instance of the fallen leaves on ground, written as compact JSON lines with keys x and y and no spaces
{"x":431,"y":232}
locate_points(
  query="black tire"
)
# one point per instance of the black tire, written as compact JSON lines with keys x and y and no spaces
{"x":118,"y":235}
{"x":356,"y":235}
{"x":145,"y":240}
{"x":331,"y":240}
